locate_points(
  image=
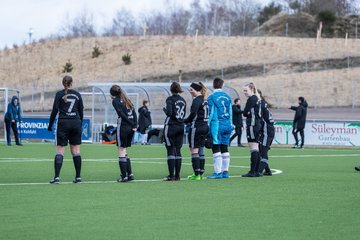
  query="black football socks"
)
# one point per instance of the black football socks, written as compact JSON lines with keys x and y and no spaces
{"x":123,"y":166}
{"x":58,"y":161}
{"x":195,"y":158}
{"x":77,"y":165}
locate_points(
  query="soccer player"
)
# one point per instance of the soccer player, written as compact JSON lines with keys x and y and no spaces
{"x":175,"y":111}
{"x":220,"y":128}
{"x":299,"y":122}
{"x":13,"y":115}
{"x":267,"y":134}
{"x":198,"y":120}
{"x":253,"y":126}
{"x":237,"y":121}
{"x":69,"y":105}
{"x":144,"y":121}
{"x":126,"y":127}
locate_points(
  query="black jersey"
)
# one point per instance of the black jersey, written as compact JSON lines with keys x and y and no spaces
{"x":266,"y":114}
{"x":71,"y":108}
{"x":199,"y":112}
{"x":175,"y":110}
{"x":128,"y":116}
{"x":252,"y":111}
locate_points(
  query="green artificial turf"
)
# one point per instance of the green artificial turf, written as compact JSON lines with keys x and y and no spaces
{"x":315,"y":197}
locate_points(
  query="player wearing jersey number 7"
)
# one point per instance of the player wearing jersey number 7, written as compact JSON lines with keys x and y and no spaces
{"x":69,"y":105}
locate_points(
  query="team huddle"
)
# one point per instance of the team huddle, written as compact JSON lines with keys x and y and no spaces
{"x":209,"y":124}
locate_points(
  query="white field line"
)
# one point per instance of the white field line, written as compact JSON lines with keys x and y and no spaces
{"x":21,"y":160}
{"x":274,"y":172}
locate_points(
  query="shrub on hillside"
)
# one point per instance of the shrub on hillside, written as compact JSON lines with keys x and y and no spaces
{"x":328,"y":18}
{"x":68,"y":67}
{"x":126,"y":59}
{"x":96,"y":52}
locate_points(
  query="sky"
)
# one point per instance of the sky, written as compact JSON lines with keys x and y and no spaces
{"x":45,"y":17}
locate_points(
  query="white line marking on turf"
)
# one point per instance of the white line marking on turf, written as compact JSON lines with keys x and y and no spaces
{"x":274,"y":172}
{"x":21,"y":160}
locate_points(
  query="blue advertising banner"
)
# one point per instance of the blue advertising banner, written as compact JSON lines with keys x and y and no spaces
{"x":37,"y":128}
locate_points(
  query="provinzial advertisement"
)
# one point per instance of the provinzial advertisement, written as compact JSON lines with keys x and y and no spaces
{"x":37,"y":128}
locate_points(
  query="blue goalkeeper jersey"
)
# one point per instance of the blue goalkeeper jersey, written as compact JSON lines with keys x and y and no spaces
{"x":220,"y":107}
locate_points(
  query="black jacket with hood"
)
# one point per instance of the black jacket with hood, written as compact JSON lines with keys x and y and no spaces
{"x":300,"y":115}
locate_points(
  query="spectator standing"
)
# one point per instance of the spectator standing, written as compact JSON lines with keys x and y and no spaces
{"x":299,"y":122}
{"x":144,"y":122}
{"x":237,"y":121}
{"x":12,"y":116}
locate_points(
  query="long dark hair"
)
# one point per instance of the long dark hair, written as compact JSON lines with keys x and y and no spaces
{"x":175,"y":88}
{"x":264,"y":99}
{"x":116,"y":91}
{"x":67,"y":82}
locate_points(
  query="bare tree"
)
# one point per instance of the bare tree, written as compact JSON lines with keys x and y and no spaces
{"x":123,"y":24}
{"x":178,"y":19}
{"x":81,"y":25}
{"x":155,"y":22}
{"x":243,"y":15}
{"x":197,"y":20}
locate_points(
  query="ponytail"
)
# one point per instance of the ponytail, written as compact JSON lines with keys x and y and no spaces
{"x":67,"y":82}
{"x":264,"y":99}
{"x":127,"y":101}
{"x":116,"y":91}
{"x":252,"y":86}
{"x":203,"y":90}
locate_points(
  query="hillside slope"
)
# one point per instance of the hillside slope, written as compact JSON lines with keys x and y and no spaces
{"x":37,"y":67}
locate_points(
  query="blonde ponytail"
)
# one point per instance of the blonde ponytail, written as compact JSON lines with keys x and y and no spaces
{"x":203,"y":90}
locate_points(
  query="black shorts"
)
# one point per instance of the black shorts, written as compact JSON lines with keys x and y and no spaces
{"x":267,"y":136}
{"x":124,"y":135}
{"x":68,"y":131}
{"x":197,"y":135}
{"x":173,"y":135}
{"x":253,"y":133}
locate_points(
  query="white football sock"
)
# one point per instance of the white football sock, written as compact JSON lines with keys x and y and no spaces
{"x":225,"y":161}
{"x":217,"y":160}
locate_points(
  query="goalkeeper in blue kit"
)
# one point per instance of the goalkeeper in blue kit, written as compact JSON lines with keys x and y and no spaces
{"x":220,"y":123}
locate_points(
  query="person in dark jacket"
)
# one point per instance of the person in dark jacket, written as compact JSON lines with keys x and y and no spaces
{"x":12,"y":116}
{"x":126,"y":127}
{"x":299,"y":122}
{"x":68,"y":106}
{"x":175,"y":111}
{"x":144,"y":121}
{"x":237,"y":121}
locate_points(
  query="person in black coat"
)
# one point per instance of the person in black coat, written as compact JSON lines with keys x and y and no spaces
{"x":299,"y":121}
{"x":237,"y":121}
{"x":12,"y":116}
{"x":144,"y":121}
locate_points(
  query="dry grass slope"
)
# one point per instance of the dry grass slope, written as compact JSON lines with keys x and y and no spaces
{"x":38,"y":67}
